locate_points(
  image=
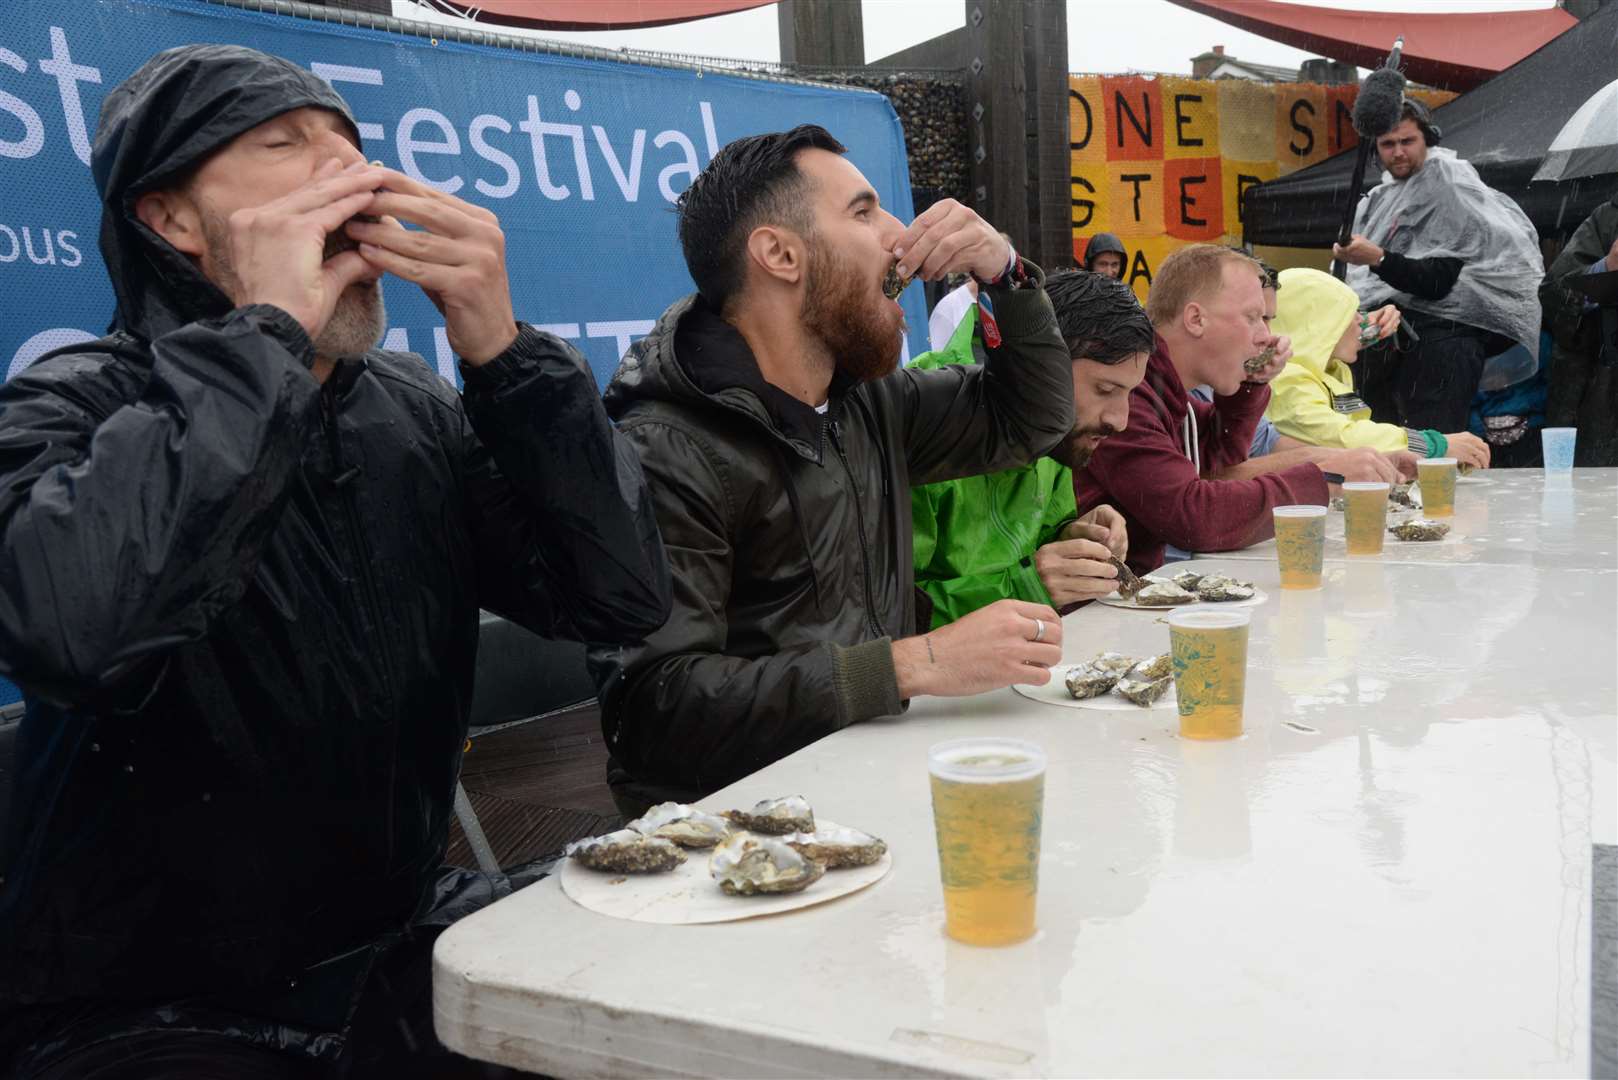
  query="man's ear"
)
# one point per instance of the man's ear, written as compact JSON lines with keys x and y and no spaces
{"x":778,"y":252}
{"x":174,"y":217}
{"x":1193,"y":320}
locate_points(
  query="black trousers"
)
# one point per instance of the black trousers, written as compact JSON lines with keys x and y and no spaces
{"x":1431,"y":382}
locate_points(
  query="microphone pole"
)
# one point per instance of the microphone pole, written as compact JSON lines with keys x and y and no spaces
{"x":1374,"y":115}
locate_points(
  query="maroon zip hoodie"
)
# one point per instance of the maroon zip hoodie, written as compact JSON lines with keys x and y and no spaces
{"x":1146,"y":471}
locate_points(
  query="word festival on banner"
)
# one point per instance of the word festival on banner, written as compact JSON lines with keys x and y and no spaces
{"x":1162,"y":162}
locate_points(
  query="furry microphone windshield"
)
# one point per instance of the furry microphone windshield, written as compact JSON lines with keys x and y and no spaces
{"x":1376,"y":109}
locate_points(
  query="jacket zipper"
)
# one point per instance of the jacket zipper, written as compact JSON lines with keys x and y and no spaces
{"x":859,"y":521}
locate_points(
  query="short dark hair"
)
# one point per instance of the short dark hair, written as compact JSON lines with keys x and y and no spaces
{"x":752,"y":181}
{"x":1271,"y":276}
{"x":1416,"y":110}
{"x":1099,"y":318}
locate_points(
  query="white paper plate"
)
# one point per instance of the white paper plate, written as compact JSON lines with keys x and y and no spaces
{"x":1114,"y":600}
{"x":687,"y":895}
{"x":1055,"y":693}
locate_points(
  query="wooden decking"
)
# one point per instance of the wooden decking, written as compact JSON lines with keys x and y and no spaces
{"x":537,"y":786}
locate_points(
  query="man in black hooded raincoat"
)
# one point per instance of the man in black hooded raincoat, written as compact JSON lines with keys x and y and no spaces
{"x":242,"y":553}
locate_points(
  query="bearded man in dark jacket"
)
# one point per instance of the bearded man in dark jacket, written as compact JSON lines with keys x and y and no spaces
{"x":242,"y":553}
{"x":780,"y":445}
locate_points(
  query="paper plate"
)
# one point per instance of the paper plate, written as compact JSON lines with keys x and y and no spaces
{"x":687,"y":895}
{"x":1114,"y":600}
{"x":1055,"y":693}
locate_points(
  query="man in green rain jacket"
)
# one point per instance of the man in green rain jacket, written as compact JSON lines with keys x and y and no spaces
{"x":1017,"y":533}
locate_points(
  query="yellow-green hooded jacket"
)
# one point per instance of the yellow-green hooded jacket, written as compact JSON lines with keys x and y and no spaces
{"x":1313,"y":399}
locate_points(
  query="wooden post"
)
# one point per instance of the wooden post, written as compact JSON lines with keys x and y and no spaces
{"x":1049,"y":160}
{"x":997,"y":109}
{"x":821,"y":33}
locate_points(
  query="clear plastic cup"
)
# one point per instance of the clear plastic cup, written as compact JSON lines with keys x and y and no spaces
{"x":988,"y":801}
{"x":1558,"y":443}
{"x":1300,"y":545}
{"x":1210,"y":671}
{"x":1437,"y":479}
{"x":1365,"y":516}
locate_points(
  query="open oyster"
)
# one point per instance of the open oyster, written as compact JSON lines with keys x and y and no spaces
{"x":1217,"y":587}
{"x":1339,"y":504}
{"x":776,"y":817}
{"x":1399,"y":495}
{"x":1144,"y":692}
{"x":1255,"y":364}
{"x":1153,"y":667}
{"x":626,"y":852}
{"x":684,"y":825}
{"x":1163,"y":594}
{"x":1129,"y":583}
{"x":837,"y":847}
{"x":1187,"y":579}
{"x":748,"y":865}
{"x":1420,"y":529}
{"x":893,"y":283}
{"x":1087,"y":681}
{"x":1117,"y":663}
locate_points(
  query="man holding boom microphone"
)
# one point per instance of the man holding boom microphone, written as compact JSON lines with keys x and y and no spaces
{"x":242,"y":553}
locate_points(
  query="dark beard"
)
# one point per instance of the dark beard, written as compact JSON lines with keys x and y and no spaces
{"x":850,"y":318}
{"x":1072,"y":450}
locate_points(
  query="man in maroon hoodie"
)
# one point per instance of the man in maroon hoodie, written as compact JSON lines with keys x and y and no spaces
{"x":1207,"y":305}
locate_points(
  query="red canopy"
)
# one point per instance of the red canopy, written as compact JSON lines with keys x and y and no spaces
{"x":1453,"y":51}
{"x":596,"y":14}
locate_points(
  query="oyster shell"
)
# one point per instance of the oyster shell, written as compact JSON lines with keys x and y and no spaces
{"x":1399,"y":495}
{"x":684,"y":825}
{"x":1129,"y":583}
{"x":1153,"y":667}
{"x":1255,"y":364}
{"x":1163,"y":594}
{"x":1117,"y":663}
{"x":789,"y":814}
{"x":1420,"y":529}
{"x":1218,"y":587}
{"x":626,"y":852}
{"x":1339,"y":504}
{"x":1086,"y":681}
{"x":838,"y":847}
{"x":893,"y":283}
{"x":1187,"y":579}
{"x":749,"y":865}
{"x":1144,"y":692}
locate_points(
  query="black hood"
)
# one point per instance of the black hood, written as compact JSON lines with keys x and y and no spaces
{"x":1101,"y":244}
{"x":181,"y":106}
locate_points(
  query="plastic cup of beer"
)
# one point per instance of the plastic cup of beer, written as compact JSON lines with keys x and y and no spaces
{"x":1365,"y":516}
{"x":988,"y":799}
{"x":1300,"y":544}
{"x":1210,"y":671}
{"x":1437,"y":478}
{"x":1558,"y":443}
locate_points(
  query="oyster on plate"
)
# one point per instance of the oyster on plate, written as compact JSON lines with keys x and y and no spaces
{"x":1153,"y":667}
{"x":1163,"y":594}
{"x":1129,"y":583}
{"x":1420,"y":529}
{"x":626,"y":852}
{"x":752,"y":865}
{"x":1117,"y":663}
{"x":838,"y":847}
{"x":1219,"y":587}
{"x":1144,"y":692}
{"x":1186,"y":579}
{"x":1399,"y":495}
{"x":684,"y":825}
{"x":776,"y":817}
{"x":1088,"y":681}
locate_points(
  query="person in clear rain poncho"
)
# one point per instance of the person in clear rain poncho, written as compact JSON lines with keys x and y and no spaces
{"x":1462,"y":263}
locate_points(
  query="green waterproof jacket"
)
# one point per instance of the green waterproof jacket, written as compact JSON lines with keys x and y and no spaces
{"x":975,"y":537}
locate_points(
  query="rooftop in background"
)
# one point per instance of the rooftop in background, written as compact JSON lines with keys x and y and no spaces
{"x":1217,"y":64}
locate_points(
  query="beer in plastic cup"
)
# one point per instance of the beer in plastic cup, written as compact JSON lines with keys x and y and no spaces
{"x":1300,"y":544}
{"x":1365,"y":516}
{"x":1437,"y":477}
{"x":988,"y":799}
{"x":1558,"y":443}
{"x":1210,"y":671}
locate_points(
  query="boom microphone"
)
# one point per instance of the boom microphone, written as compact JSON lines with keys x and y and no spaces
{"x":1376,"y":112}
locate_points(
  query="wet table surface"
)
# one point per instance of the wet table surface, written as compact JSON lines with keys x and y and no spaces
{"x":1388,"y":875}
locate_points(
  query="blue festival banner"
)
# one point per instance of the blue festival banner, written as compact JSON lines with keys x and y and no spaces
{"x":581,"y":159}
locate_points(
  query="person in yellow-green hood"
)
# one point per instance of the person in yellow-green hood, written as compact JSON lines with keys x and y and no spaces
{"x":1313,"y":399}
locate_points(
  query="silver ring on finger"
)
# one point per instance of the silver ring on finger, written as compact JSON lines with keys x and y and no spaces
{"x":1039,"y":629}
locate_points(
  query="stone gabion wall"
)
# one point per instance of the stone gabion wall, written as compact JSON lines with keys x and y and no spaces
{"x":932,"y":109}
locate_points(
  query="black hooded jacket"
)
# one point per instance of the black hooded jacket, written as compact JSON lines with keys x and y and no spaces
{"x":789,"y":535}
{"x":244,"y":606}
{"x":1104,"y":243}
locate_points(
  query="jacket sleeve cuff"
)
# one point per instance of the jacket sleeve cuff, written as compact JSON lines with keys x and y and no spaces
{"x":281,"y":326}
{"x":1033,"y":586}
{"x":864,"y":680}
{"x":1024,"y":312}
{"x":530,"y":349}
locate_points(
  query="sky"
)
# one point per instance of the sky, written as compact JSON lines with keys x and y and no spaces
{"x":1102,"y":35}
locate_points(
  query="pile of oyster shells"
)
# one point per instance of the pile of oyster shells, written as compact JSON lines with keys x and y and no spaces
{"x":1188,"y":587}
{"x":1142,"y":682}
{"x":1420,"y":529}
{"x":772,"y":848}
